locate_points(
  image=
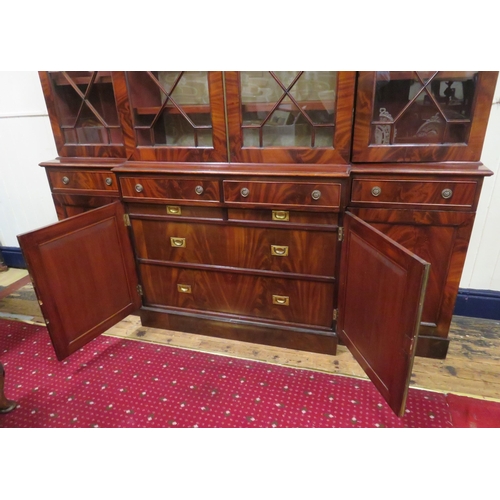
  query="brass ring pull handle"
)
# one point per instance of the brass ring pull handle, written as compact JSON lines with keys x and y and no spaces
{"x":65,"y":180}
{"x":316,"y":194}
{"x":446,"y":193}
{"x":177,"y":242}
{"x":281,"y":300}
{"x":108,"y":181}
{"x":281,"y":215}
{"x":376,"y":190}
{"x":184,"y":288}
{"x":174,"y":210}
{"x":279,"y":251}
{"x":139,"y":188}
{"x":199,"y":190}
{"x":245,"y":192}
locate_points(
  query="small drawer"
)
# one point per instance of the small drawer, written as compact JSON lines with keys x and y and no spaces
{"x":71,"y":180}
{"x":291,"y":301}
{"x":285,"y":216}
{"x":170,"y":189}
{"x":382,"y":191}
{"x":291,"y":194}
{"x":180,"y":211}
{"x":269,"y":249}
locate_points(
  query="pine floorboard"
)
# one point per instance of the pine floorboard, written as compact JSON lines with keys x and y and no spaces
{"x":471,"y":368}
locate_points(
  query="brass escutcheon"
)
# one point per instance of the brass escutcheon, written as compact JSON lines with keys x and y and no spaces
{"x":184,"y":288}
{"x":281,"y":300}
{"x":280,"y":251}
{"x":173,"y":210}
{"x":177,"y":242}
{"x":281,"y":215}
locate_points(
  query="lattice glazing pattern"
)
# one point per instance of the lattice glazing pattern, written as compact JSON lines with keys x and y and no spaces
{"x":423,"y":107}
{"x":288,"y":108}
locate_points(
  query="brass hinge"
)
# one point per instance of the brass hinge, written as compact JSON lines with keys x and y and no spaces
{"x":341,"y":234}
{"x":335,"y":314}
{"x":126,"y":219}
{"x":139,"y":289}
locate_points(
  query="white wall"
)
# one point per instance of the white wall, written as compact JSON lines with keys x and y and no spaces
{"x":25,"y":201}
{"x":25,"y":140}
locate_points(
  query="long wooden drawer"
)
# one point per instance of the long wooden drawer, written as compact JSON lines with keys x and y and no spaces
{"x":287,"y":300}
{"x":284,"y":216}
{"x":180,"y":211}
{"x":78,"y":180}
{"x":281,"y":250}
{"x":171,"y":188}
{"x":292,"y":194}
{"x":383,"y":191}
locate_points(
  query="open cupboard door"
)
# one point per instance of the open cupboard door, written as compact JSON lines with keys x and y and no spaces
{"x":84,"y":275}
{"x":382,"y":293}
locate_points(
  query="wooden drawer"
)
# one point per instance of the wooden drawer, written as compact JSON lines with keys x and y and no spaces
{"x":180,"y":211}
{"x":289,"y":194}
{"x":169,"y":189}
{"x":308,"y":302}
{"x":280,"y":250}
{"x":82,"y":181}
{"x":285,"y":216}
{"x":381,"y":191}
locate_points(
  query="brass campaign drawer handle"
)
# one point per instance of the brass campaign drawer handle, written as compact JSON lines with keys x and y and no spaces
{"x":173,"y":210}
{"x":446,"y":193}
{"x":281,"y":300}
{"x":376,"y":191}
{"x":280,"y":251}
{"x":281,"y":215}
{"x":177,"y":242}
{"x":65,"y":180}
{"x":184,"y":288}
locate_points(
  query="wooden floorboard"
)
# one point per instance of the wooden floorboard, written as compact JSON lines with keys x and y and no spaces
{"x":472,"y":366}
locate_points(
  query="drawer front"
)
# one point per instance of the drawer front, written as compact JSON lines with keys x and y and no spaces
{"x":168,"y":189}
{"x":68,"y":180}
{"x":283,"y":193}
{"x":394,"y":191}
{"x":281,"y":250}
{"x":180,"y":211}
{"x":291,"y":301}
{"x":284,"y":216}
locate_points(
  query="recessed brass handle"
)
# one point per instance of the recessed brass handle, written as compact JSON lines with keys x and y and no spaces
{"x":108,"y":181}
{"x":280,"y":251}
{"x":139,"y":188}
{"x":446,"y":193}
{"x":177,"y":242}
{"x":199,"y":190}
{"x":173,"y":210}
{"x":281,"y":215}
{"x":281,"y":300}
{"x":184,"y":288}
{"x":316,"y":194}
{"x":65,"y":180}
{"x":245,"y":192}
{"x":376,"y":190}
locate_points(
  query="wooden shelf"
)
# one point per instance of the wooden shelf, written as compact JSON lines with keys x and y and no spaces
{"x":59,"y":79}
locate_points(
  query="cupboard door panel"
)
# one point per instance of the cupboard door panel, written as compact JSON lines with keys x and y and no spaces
{"x":83,"y":272}
{"x":382,"y":287}
{"x":290,"y":116}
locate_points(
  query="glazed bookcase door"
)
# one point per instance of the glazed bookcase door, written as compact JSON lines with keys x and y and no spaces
{"x":83,"y":113}
{"x":173,"y":115}
{"x":290,"y":116}
{"x":83,"y":272}
{"x":382,"y":289}
{"x":416,"y":116}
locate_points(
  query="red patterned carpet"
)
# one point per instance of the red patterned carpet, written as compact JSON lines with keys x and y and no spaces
{"x":124,"y":383}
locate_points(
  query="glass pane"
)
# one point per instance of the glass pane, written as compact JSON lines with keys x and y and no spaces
{"x":86,"y":107}
{"x":288,"y":120}
{"x":171,"y":108}
{"x":422,"y":107}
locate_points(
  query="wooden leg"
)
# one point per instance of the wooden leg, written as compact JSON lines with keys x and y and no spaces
{"x":5,"y":404}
